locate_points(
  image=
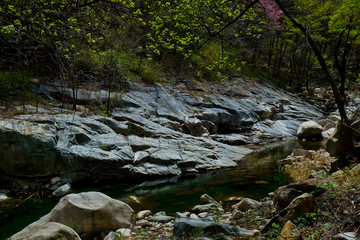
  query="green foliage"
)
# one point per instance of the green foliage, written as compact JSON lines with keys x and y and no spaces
{"x":273,"y":232}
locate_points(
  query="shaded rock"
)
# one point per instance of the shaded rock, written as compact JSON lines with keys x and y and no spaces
{"x":284,"y":196}
{"x":207,"y":199}
{"x":338,"y":163}
{"x":55,"y":180}
{"x":91,"y":212}
{"x":236,"y":214}
{"x":289,"y":232}
{"x":61,"y":191}
{"x":309,"y":130}
{"x":307,"y":185}
{"x":184,"y":227}
{"x":346,"y":236}
{"x":299,"y":206}
{"x":194,"y":127}
{"x":46,"y":231}
{"x":246,"y":204}
{"x":340,"y":141}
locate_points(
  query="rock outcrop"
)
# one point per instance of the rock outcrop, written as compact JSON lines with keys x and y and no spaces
{"x":155,"y":132}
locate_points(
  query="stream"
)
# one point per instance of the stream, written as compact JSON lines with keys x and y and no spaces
{"x":254,"y":177}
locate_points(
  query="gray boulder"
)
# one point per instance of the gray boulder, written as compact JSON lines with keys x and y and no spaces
{"x":246,"y":204}
{"x":309,"y":130}
{"x":46,"y":231}
{"x":91,"y":212}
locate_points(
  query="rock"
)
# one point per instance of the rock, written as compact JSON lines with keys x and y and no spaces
{"x":236,"y":214}
{"x":203,"y":215}
{"x":309,"y":130}
{"x":299,"y":206}
{"x":194,"y":127}
{"x":338,"y":163}
{"x":289,"y":232}
{"x":143,"y":138}
{"x":284,"y":196}
{"x":142,"y":214}
{"x":161,"y":219}
{"x":3,"y":196}
{"x":204,"y":208}
{"x":327,"y":134}
{"x":339,"y":142}
{"x":184,"y":227}
{"x":346,"y":236}
{"x":123,"y":232}
{"x":232,"y":139}
{"x":61,"y":191}
{"x":194,"y":216}
{"x":206,"y":199}
{"x":54,"y":180}
{"x":46,"y":231}
{"x":246,"y":204}
{"x":180,"y":215}
{"x":91,"y":212}
{"x":144,"y":223}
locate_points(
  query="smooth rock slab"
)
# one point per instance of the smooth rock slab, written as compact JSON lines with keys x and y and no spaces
{"x":91,"y":212}
{"x":184,"y":227}
{"x":46,"y":231}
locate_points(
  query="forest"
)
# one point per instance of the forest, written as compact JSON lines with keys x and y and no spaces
{"x":104,"y":43}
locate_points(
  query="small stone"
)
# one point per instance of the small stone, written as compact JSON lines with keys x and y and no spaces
{"x":194,"y":216}
{"x":161,"y":219}
{"x":181,"y":215}
{"x":289,"y":232}
{"x":61,"y":191}
{"x":55,"y":180}
{"x":123,"y":232}
{"x":203,"y":214}
{"x":142,"y":214}
{"x":204,"y":208}
{"x":162,"y":213}
{"x":3,"y":196}
{"x":236,"y":214}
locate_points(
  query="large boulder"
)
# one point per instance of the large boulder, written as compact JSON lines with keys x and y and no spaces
{"x":91,"y":212}
{"x":309,"y":130}
{"x":302,"y":204}
{"x":246,"y":204}
{"x":342,"y":139}
{"x":46,"y":231}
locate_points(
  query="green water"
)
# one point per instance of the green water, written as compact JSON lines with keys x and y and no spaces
{"x":254,"y":177}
